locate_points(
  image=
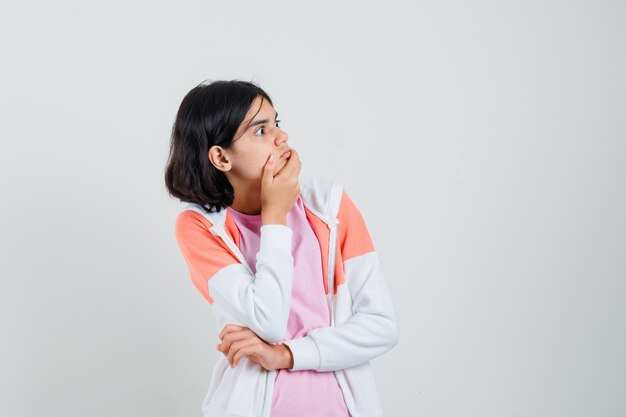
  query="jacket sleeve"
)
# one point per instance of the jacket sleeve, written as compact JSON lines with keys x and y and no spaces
{"x":258,"y":301}
{"x":372,"y":329}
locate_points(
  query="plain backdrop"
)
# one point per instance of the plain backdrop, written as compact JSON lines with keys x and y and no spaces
{"x":483,"y":142}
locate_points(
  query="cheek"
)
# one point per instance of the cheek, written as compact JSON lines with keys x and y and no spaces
{"x":252,"y":163}
{"x":255,"y":164}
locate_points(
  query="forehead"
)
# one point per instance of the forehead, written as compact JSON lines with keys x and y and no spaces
{"x":265,"y":109}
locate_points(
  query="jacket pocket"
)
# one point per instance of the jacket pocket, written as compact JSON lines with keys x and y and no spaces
{"x":215,"y":398}
{"x":360,"y":391}
{"x":246,"y":398}
{"x":236,"y":391}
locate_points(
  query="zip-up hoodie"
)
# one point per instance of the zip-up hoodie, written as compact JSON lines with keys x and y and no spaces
{"x":363,"y":322}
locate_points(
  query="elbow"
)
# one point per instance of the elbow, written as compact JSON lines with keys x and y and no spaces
{"x":395,"y":336}
{"x":385,"y":334}
{"x":393,"y":333}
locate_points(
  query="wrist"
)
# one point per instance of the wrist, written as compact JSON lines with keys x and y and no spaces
{"x":273,"y":218}
{"x":286,"y":357}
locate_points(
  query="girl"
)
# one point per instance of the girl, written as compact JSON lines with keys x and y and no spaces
{"x":286,"y":264}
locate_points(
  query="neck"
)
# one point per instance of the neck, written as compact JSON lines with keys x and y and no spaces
{"x":247,"y":198}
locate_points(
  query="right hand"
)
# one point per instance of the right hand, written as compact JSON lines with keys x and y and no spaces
{"x":279,"y":192}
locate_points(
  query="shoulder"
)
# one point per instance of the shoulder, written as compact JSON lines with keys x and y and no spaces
{"x":353,"y":231}
{"x":348,"y":211}
{"x":189,"y":220}
{"x":204,"y":252}
{"x":193,"y":232}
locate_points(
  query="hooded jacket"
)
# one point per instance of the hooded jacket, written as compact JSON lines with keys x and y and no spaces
{"x":363,"y":322}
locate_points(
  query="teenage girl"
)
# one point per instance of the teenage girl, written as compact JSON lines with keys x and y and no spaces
{"x":255,"y":243}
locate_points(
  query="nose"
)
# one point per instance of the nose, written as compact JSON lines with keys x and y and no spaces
{"x":281,"y":137}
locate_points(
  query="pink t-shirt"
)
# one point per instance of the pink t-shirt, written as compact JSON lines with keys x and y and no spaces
{"x":304,"y":393}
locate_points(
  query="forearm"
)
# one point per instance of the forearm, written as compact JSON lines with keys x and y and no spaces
{"x":371,"y":330}
{"x":352,"y":343}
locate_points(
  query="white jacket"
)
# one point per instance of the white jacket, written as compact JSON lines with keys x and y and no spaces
{"x":363,"y":322}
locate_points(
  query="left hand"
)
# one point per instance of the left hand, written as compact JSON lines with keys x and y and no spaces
{"x":238,"y":342}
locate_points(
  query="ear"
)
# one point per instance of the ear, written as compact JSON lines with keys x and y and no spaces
{"x":219,"y":158}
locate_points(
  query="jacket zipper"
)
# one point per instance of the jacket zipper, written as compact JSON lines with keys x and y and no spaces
{"x":331,"y":268}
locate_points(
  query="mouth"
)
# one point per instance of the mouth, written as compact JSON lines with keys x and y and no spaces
{"x":286,"y":154}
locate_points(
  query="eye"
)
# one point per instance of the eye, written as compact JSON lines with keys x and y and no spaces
{"x":277,"y":122}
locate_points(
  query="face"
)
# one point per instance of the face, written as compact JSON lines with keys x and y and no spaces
{"x":258,"y":136}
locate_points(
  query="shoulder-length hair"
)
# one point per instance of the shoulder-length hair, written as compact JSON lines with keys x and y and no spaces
{"x":209,"y":115}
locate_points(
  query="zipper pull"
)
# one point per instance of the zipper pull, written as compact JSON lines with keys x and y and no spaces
{"x":333,"y":224}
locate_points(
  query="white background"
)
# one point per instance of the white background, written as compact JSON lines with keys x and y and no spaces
{"x":482,"y":141}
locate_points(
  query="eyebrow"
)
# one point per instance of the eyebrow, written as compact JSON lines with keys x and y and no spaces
{"x":260,"y":122}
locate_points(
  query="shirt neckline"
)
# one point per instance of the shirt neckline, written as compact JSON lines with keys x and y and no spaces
{"x":254,"y":218}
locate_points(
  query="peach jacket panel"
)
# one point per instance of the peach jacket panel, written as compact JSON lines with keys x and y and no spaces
{"x":363,"y":321}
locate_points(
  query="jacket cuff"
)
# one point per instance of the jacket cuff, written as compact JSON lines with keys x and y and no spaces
{"x":305,"y":353}
{"x":275,"y":236}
